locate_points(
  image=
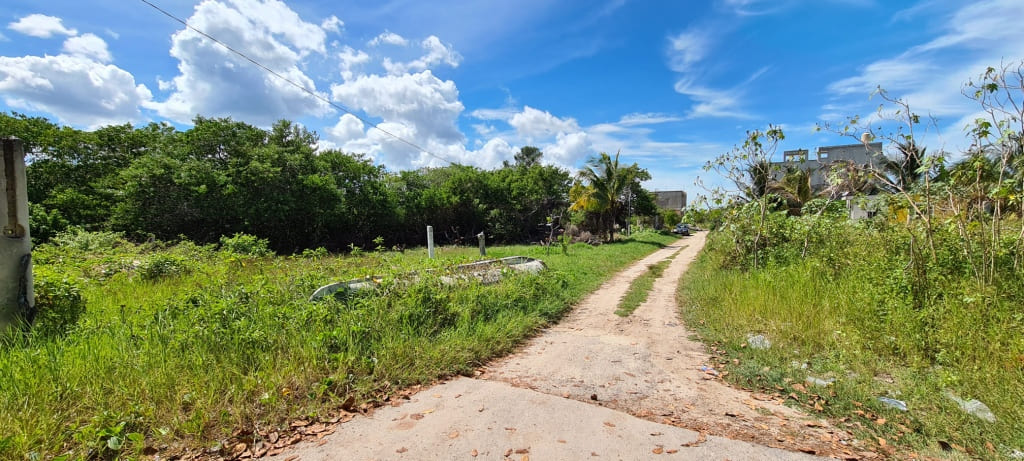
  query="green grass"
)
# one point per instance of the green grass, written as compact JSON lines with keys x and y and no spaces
{"x":852,"y":323}
{"x":641,"y":286}
{"x":182,"y":345}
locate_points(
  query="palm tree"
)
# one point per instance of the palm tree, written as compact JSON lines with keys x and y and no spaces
{"x":600,"y":187}
{"x":906,"y":169}
{"x":794,"y":188}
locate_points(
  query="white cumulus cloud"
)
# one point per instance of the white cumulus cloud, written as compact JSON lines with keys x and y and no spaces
{"x":424,"y":103}
{"x":215,"y":82}
{"x":332,"y":24}
{"x":535,"y":124}
{"x":79,"y":91}
{"x":41,"y":25}
{"x":88,"y":46}
{"x":436,"y":53}
{"x":389,"y":38}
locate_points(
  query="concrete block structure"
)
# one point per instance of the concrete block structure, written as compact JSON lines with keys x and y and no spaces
{"x":674,"y":200}
{"x":819,"y":163}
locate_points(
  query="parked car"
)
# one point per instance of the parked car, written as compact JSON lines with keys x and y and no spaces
{"x":681,"y":229}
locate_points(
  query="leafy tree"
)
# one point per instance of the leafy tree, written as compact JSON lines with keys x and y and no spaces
{"x":528,"y":156}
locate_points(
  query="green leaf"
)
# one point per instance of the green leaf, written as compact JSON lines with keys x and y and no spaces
{"x":115,"y":443}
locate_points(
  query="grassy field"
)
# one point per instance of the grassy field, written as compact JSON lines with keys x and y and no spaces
{"x":844,"y":315}
{"x":180,"y":345}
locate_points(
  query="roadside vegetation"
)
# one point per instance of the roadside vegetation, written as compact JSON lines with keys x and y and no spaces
{"x":221,"y":177}
{"x":917,"y":307}
{"x":156,"y":346}
{"x":640,"y":287}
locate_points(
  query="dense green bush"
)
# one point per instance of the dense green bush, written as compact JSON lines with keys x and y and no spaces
{"x":59,"y":303}
{"x":245,"y":244}
{"x":163,"y":265}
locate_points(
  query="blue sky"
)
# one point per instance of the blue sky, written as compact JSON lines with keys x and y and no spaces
{"x":671,"y":84}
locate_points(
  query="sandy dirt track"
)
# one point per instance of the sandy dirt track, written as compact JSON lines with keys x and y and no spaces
{"x":594,"y":386}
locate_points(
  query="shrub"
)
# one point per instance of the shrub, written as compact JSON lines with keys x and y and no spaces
{"x":45,"y":224}
{"x":76,"y":238}
{"x":59,"y":303}
{"x":245,"y":244}
{"x":162,"y":265}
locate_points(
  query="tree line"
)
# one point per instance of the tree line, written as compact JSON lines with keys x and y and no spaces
{"x":221,"y":177}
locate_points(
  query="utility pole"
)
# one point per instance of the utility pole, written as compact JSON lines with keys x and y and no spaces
{"x":16,"y":297}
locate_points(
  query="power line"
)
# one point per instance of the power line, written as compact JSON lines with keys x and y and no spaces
{"x":297,"y":85}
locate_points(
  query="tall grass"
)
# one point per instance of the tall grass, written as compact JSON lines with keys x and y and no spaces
{"x":181,"y":345}
{"x":846,"y":312}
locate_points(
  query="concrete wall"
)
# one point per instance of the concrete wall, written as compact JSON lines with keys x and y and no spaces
{"x":671,"y":200}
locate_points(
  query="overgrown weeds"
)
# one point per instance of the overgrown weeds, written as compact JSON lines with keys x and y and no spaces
{"x":851,"y":306}
{"x":179,"y":345}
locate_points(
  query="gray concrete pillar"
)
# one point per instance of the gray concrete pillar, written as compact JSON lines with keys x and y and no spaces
{"x":16,"y":297}
{"x":483,"y":243}
{"x":430,"y":242}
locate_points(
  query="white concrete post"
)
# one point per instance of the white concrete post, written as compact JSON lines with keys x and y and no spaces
{"x":483,"y":241}
{"x":16,"y":297}
{"x":430,"y":242}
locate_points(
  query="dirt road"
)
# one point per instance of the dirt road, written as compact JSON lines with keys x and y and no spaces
{"x":594,"y":386}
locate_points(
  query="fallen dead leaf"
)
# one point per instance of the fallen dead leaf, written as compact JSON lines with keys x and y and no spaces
{"x":401,"y":450}
{"x":701,"y":438}
{"x":508,"y":452}
{"x":880,"y":421}
{"x":349,"y":403}
{"x":291,"y":458}
{"x":275,"y":452}
{"x":522,"y":451}
{"x":300,"y":423}
{"x":800,"y":388}
{"x":428,"y":411}
{"x":272,"y":438}
{"x":609,"y":424}
{"x":453,"y":435}
{"x":991,"y":448}
{"x":525,"y":458}
{"x":561,"y":441}
{"x":474,"y":453}
{"x":672,"y":451}
{"x":881,"y":441}
{"x":658,"y":450}
{"x":416,"y":416}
